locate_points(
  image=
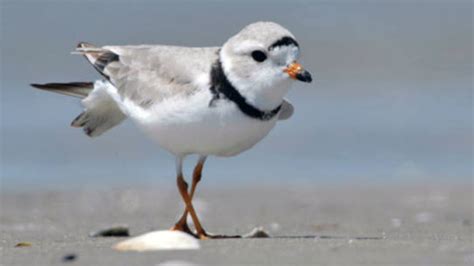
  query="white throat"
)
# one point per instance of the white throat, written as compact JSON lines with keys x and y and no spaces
{"x":265,"y":95}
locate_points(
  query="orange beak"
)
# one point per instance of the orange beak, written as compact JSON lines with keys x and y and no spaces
{"x":296,"y":71}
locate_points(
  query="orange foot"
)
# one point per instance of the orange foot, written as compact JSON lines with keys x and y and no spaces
{"x":183,"y":228}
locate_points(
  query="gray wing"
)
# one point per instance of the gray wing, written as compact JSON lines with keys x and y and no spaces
{"x":147,"y":74}
{"x":287,"y":110}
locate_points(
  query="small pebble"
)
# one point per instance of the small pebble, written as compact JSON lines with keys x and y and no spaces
{"x":69,"y":257}
{"x":23,"y":245}
{"x":257,"y":232}
{"x":117,"y":231}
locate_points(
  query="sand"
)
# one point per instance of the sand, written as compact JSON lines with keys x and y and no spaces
{"x":309,"y":224}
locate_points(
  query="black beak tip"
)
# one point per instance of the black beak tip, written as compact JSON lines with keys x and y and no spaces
{"x":304,"y":76}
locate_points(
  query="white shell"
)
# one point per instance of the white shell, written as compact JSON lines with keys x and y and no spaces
{"x":159,"y":240}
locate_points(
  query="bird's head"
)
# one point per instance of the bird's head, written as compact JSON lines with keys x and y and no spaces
{"x":260,"y":62}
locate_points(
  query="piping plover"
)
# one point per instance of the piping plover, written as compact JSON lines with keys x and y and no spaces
{"x":216,"y":101}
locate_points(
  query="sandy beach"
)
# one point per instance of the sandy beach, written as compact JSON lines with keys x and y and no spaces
{"x":309,"y":225}
{"x":375,"y":167}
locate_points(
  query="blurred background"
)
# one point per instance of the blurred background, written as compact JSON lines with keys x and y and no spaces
{"x":391,"y":100}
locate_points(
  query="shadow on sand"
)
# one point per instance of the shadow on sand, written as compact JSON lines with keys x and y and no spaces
{"x":328,"y":237}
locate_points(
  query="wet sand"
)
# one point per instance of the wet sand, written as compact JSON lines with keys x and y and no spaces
{"x":309,"y":224}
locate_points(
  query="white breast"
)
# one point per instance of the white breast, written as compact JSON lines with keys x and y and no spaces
{"x":188,"y":125}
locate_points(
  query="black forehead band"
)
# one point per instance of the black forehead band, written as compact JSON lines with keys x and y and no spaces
{"x":285,"y":41}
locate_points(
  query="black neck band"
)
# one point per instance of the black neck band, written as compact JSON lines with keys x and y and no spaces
{"x":222,"y":88}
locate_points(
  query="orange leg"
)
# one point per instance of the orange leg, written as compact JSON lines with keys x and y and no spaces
{"x":182,"y":186}
{"x":182,"y":224}
{"x":183,"y":190}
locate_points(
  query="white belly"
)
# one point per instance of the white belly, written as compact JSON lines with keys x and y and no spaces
{"x":187,"y":125}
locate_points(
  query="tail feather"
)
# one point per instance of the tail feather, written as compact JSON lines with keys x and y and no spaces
{"x":101,"y":112}
{"x":76,"y":89}
{"x":80,"y":120}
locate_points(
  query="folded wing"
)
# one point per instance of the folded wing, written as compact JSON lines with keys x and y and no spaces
{"x":147,"y":74}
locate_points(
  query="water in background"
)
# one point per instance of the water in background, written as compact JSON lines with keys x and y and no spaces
{"x":391,"y":101}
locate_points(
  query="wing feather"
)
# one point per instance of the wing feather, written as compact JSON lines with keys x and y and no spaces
{"x":147,"y":74}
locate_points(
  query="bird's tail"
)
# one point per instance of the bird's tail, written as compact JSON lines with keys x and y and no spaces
{"x":76,"y":89}
{"x":100,"y":113}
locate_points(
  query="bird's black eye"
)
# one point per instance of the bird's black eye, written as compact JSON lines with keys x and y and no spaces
{"x":259,"y":56}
